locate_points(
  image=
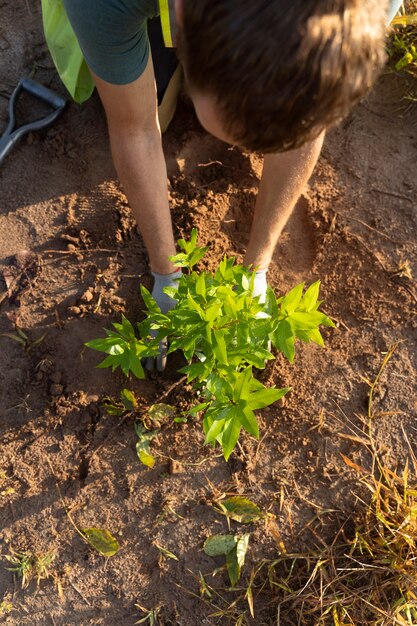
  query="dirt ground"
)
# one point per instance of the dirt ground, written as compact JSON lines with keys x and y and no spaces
{"x":71,"y":262}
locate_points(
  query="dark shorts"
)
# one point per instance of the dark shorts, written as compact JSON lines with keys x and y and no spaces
{"x":115,"y":37}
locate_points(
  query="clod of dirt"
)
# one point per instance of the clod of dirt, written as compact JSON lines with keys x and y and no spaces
{"x":175,"y":467}
{"x":75,"y":310}
{"x":56,"y":389}
{"x":87,"y":296}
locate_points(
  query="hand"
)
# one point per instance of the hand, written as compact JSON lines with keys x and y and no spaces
{"x":165,"y":303}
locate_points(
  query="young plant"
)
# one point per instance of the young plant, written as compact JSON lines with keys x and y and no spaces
{"x":29,"y":566}
{"x":223,"y":332}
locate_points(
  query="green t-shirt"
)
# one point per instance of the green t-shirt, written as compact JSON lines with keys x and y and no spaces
{"x":113,"y":35}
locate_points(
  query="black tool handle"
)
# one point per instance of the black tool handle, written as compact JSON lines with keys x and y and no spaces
{"x":43,"y":93}
{"x":10,"y":136}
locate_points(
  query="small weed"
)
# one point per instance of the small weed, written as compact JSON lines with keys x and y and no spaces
{"x":5,"y":607}
{"x":29,"y":566}
{"x":151,"y":615}
{"x":23,"y":339}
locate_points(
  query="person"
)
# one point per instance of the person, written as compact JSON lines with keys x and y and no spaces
{"x":268,"y":75}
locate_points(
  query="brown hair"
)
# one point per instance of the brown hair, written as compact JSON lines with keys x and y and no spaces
{"x":281,"y":71}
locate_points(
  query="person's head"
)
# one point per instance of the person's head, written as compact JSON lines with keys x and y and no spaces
{"x":270,"y":75}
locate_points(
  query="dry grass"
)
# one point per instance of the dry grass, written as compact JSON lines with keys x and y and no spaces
{"x":366,"y":576}
{"x":368,"y":579}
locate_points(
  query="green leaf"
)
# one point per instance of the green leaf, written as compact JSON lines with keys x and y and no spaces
{"x":219,"y":545}
{"x":200,"y":286}
{"x":307,"y":321}
{"x":197,"y":408}
{"x":241,"y":549}
{"x":242,"y":386}
{"x":311,"y":296}
{"x":292,"y":299}
{"x":166,"y":552}
{"x":315,"y":336}
{"x":219,"y":347}
{"x":143,"y":444}
{"x":179,"y":260}
{"x":135,"y":366}
{"x":213,"y":312}
{"x":215,"y":429}
{"x":101,"y":540}
{"x":196,"y":256}
{"x":195,"y":370}
{"x":128,"y":399}
{"x":161,"y":412}
{"x":283,"y":339}
{"x":149,"y":300}
{"x":230,"y":436}
{"x":128,"y":328}
{"x":235,"y":559}
{"x":248,"y":420}
{"x":194,"y":306}
{"x":103,"y":345}
{"x":112,"y":409}
{"x":241,"y":510}
{"x":233,"y":568}
{"x":109,"y":361}
{"x":264,"y":397}
{"x":145,"y":457}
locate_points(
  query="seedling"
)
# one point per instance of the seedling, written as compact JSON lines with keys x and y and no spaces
{"x":234,"y":548}
{"x":29,"y":566}
{"x":224,"y":332}
{"x":127,"y":404}
{"x":23,"y":339}
{"x":151,"y":615}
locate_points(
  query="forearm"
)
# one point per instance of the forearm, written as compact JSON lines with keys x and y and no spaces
{"x":284,"y":178}
{"x":140,"y":164}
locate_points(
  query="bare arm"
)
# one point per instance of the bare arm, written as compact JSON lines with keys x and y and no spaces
{"x":284,"y":178}
{"x":135,"y":139}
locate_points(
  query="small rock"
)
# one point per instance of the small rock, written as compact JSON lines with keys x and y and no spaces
{"x":87,"y":295}
{"x":75,"y":310}
{"x":71,"y":247}
{"x":175,"y":467}
{"x":56,"y":390}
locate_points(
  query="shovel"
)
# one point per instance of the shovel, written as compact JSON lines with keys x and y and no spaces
{"x":12,"y":135}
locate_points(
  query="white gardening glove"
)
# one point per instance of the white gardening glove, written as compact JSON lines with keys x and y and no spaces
{"x":165,"y":303}
{"x":260,"y":285}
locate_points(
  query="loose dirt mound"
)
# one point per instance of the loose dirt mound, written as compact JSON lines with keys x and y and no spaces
{"x":72,"y":261}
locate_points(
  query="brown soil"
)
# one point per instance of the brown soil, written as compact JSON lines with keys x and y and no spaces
{"x":71,"y":262}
